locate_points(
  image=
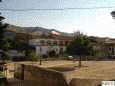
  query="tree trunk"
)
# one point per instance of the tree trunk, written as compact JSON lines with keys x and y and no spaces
{"x":80,"y":63}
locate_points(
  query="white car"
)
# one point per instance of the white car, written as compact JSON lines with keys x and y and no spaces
{"x":70,"y":57}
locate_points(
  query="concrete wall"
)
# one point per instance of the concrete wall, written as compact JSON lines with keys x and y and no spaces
{"x":49,"y":77}
{"x":41,"y":50}
{"x":44,"y":48}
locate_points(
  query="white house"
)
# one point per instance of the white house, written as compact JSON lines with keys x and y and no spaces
{"x":53,"y":42}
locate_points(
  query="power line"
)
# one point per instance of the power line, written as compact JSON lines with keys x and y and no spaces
{"x":56,"y":9}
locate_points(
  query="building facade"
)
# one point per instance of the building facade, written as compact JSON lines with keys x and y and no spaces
{"x":45,"y":43}
{"x":104,"y":47}
{"x":51,"y":43}
{"x":110,"y":47}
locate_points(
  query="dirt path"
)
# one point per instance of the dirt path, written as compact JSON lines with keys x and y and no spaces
{"x":94,"y":69}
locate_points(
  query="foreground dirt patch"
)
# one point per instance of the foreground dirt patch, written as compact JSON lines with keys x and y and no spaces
{"x":90,"y":69}
{"x":94,"y":69}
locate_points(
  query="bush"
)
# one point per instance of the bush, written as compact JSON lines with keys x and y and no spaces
{"x":21,"y":58}
{"x":4,"y":56}
{"x":52,"y":53}
{"x":8,"y":57}
{"x":45,"y":56}
{"x":33,"y":56}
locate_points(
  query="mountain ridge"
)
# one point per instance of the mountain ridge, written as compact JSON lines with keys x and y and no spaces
{"x":35,"y":29}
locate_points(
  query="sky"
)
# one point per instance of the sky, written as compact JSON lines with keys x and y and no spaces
{"x":93,"y":22}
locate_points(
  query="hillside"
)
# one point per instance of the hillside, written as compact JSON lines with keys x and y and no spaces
{"x":35,"y":29}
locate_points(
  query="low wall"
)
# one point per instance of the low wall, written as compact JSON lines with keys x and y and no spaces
{"x":46,"y":76}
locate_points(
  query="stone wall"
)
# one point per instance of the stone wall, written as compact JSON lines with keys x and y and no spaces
{"x":47,"y":76}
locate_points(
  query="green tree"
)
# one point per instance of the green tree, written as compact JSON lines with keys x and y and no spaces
{"x":33,"y":56}
{"x":23,"y":46}
{"x":2,"y":30}
{"x":7,"y":45}
{"x":113,"y":14}
{"x":80,"y":46}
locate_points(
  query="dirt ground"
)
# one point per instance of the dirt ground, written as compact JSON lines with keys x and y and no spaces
{"x":89,"y":69}
{"x":94,"y":69}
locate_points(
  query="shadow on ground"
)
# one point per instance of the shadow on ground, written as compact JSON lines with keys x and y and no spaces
{"x":63,"y":69}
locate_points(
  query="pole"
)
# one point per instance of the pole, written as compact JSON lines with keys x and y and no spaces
{"x":40,"y":56}
{"x":40,"y":61}
{"x":27,"y":41}
{"x":79,"y":61}
{"x":0,"y":1}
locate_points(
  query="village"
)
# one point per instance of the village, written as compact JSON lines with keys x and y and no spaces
{"x":40,"y":47}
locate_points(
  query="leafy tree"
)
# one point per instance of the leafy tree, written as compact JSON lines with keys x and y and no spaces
{"x":22,"y":46}
{"x":113,"y":14}
{"x":81,"y":46}
{"x":33,"y":56}
{"x":2,"y":30}
{"x":7,"y":45}
{"x":4,"y":44}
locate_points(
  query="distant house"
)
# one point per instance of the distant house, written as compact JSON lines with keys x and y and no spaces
{"x":104,"y":47}
{"x":110,"y":47}
{"x":51,"y":42}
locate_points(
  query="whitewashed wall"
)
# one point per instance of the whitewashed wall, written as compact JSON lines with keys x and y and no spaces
{"x":44,"y":49}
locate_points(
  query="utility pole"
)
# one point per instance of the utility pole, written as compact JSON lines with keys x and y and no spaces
{"x":40,"y":56}
{"x":27,"y":42}
{"x":0,"y":2}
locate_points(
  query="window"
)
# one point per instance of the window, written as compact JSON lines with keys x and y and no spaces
{"x":42,"y":42}
{"x":109,"y":49}
{"x":55,"y":43}
{"x":66,"y":43}
{"x":48,"y":42}
{"x":61,"y":43}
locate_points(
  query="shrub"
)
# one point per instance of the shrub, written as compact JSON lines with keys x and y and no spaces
{"x":33,"y":56}
{"x":8,"y":57}
{"x":52,"y":53}
{"x":4,"y":56}
{"x":45,"y":56}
